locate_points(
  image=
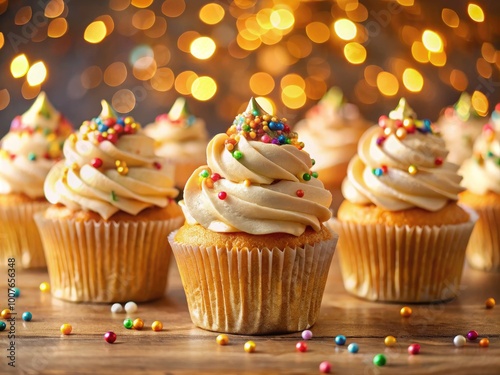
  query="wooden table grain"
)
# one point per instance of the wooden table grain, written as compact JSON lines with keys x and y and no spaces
{"x":181,"y":348}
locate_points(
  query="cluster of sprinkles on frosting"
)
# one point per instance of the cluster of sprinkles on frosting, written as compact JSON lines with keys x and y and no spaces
{"x":178,"y":115}
{"x":489,"y":136}
{"x":402,"y":122}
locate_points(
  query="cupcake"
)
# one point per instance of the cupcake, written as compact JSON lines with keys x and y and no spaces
{"x":105,"y":236}
{"x":254,"y":253}
{"x":459,"y":126}
{"x":181,"y":138}
{"x":27,"y":152}
{"x":402,"y":235}
{"x":481,"y":174}
{"x":332,"y":129}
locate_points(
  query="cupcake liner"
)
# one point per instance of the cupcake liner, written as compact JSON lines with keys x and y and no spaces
{"x":19,"y":236}
{"x":483,"y":251}
{"x":111,"y":261}
{"x":258,"y":291}
{"x":402,"y":263}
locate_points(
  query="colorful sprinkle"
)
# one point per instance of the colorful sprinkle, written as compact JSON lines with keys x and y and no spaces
{"x":66,"y":329}
{"x":16,"y":290}
{"x":484,"y":343}
{"x":32,"y":156}
{"x":138,"y":324}
{"x":215,"y":177}
{"x":121,"y":167}
{"x":299,"y":193}
{"x":378,"y":172}
{"x":379,"y":360}
{"x":414,"y":349}
{"x":249,"y":347}
{"x":2,"y":326}
{"x":390,"y":341}
{"x":128,"y":323}
{"x":45,"y":287}
{"x":157,"y":326}
{"x":301,"y":346}
{"x":131,"y":307}
{"x":204,"y":173}
{"x":6,"y":314}
{"x":405,"y":312}
{"x":96,"y":163}
{"x":114,"y":198}
{"x":353,"y":348}
{"x":412,"y":169}
{"x":222,"y":339}
{"x":237,"y":155}
{"x":306,"y":177}
{"x":27,"y":316}
{"x":459,"y":341}
{"x":472,"y":335}
{"x":307,"y":334}
{"x":222,"y":195}
{"x":315,"y":174}
{"x":340,"y":340}
{"x":490,"y":303}
{"x":110,"y":337}
{"x":116,"y":308}
{"x":157,"y":165}
{"x":325,"y":367}
{"x":438,"y":161}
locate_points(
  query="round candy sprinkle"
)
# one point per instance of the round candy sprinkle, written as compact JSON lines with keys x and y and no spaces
{"x":2,"y":326}
{"x":17,"y":292}
{"x":96,"y":163}
{"x":299,"y":193}
{"x":490,"y":303}
{"x":379,"y":360}
{"x":472,"y":335}
{"x":222,"y":195}
{"x":157,"y":326}
{"x":405,"y":311}
{"x":110,"y":337}
{"x":340,"y":340}
{"x":325,"y":367}
{"x":5,"y":314}
{"x":45,"y":287}
{"x":484,"y":343}
{"x":390,"y":341}
{"x":249,"y":347}
{"x":27,"y":316}
{"x":412,"y":169}
{"x":306,"y":177}
{"x":459,"y":340}
{"x":116,"y":308}
{"x":414,"y":349}
{"x":66,"y":329}
{"x":301,"y":346}
{"x":131,"y":307}
{"x":307,"y":335}
{"x":353,"y":348}
{"x":138,"y":324}
{"x":222,"y":339}
{"x":128,"y":323}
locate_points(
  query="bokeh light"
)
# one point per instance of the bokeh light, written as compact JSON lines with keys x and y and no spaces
{"x":355,"y":53}
{"x":202,"y":48}
{"x":123,"y":101}
{"x":212,"y":13}
{"x":19,"y":66}
{"x":57,"y":28}
{"x":261,"y":83}
{"x":4,"y":98}
{"x":387,"y":84}
{"x":345,"y":29}
{"x":95,"y":32}
{"x":36,"y":74}
{"x":475,"y":12}
{"x":413,"y":80}
{"x":432,"y":41}
{"x":203,"y":88}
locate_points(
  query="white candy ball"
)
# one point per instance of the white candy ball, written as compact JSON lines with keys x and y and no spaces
{"x":459,"y":340}
{"x":116,"y":308}
{"x":131,"y":307}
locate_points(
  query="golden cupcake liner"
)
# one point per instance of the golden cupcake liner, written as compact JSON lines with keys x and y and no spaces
{"x":19,"y":237}
{"x":483,"y":251}
{"x":402,"y":263}
{"x":111,"y":261}
{"x":254,"y":292}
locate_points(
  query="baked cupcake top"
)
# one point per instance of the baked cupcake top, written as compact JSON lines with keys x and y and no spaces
{"x":401,"y":163}
{"x":481,"y":171}
{"x":459,"y":126}
{"x":110,"y":165}
{"x":179,"y":135}
{"x":31,"y":147}
{"x":258,"y":180}
{"x":334,"y":127}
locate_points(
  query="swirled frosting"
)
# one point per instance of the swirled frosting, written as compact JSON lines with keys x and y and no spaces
{"x":334,"y":128}
{"x":31,"y":147}
{"x":110,"y":165}
{"x":481,"y":171}
{"x":258,"y":180}
{"x":402,"y":164}
{"x":179,"y":135}
{"x":459,"y":126}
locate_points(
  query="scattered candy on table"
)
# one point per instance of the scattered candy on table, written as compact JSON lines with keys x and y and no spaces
{"x":27,"y":316}
{"x":379,"y":360}
{"x":249,"y":347}
{"x":325,"y":367}
{"x":301,"y":346}
{"x":131,"y":307}
{"x":472,"y":335}
{"x":490,"y":303}
{"x":390,"y":341}
{"x":116,"y":308}
{"x":45,"y":287}
{"x":414,"y":349}
{"x":459,"y":340}
{"x":353,"y":348}
{"x":138,"y":324}
{"x":2,"y":326}
{"x":484,"y":343}
{"x":128,"y":323}
{"x":157,"y":326}
{"x":405,"y":312}
{"x":66,"y":329}
{"x":110,"y":337}
{"x":16,"y":290}
{"x":340,"y":340}
{"x":307,"y":335}
{"x":5,"y":314}
{"x":222,"y":339}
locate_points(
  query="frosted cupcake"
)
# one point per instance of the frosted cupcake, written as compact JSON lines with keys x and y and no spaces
{"x":402,"y":235}
{"x":481,"y":174}
{"x":27,"y":152}
{"x":332,"y":129}
{"x":181,"y":138}
{"x":254,"y":254}
{"x":460,"y":125}
{"x":113,"y":208}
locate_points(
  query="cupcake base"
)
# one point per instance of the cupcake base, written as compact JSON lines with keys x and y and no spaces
{"x":254,"y":290}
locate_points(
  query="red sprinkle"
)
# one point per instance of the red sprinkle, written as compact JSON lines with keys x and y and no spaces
{"x":301,"y":346}
{"x":96,"y":163}
{"x":438,"y":161}
{"x":127,"y":129}
{"x":384,"y":168}
{"x":300,"y":193}
{"x":118,"y":128}
{"x":215,"y":177}
{"x":100,"y":138}
{"x":222,"y":195}
{"x":157,"y":165}
{"x":112,"y":138}
{"x":414,"y":349}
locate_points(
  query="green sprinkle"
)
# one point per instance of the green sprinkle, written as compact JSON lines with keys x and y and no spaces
{"x":255,"y":112}
{"x":489,"y":154}
{"x":306,"y":176}
{"x":204,"y":173}
{"x":114,"y":198}
{"x":32,"y":156}
{"x":315,"y":174}
{"x":313,"y":161}
{"x":237,"y":155}
{"x":379,"y":360}
{"x":246,"y":128}
{"x":128,"y":323}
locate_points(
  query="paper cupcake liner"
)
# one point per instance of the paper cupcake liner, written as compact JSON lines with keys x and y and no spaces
{"x":483,"y":251}
{"x":259,"y":291}
{"x":92,"y":261}
{"x":19,"y":237}
{"x":402,"y":264}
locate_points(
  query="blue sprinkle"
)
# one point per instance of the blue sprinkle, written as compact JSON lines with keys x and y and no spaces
{"x":282,"y":139}
{"x":190,"y":120}
{"x":353,"y":348}
{"x":273,"y":126}
{"x":255,"y":112}
{"x":340,"y":340}
{"x":27,"y":316}
{"x":102,"y":128}
{"x":16,"y":291}
{"x":378,"y":172}
{"x":120,"y":121}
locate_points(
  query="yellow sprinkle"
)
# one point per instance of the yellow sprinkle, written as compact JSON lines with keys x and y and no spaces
{"x":104,"y":134}
{"x":253,"y":135}
{"x":134,"y":125}
{"x":85,"y":137}
{"x":45,"y":287}
{"x":265,"y":128}
{"x":111,"y":131}
{"x":247,"y":182}
{"x":229,"y":147}
{"x":92,"y":126}
{"x":128,"y":120}
{"x":412,"y":170}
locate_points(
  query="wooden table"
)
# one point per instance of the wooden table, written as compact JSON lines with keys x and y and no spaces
{"x":183,"y":349}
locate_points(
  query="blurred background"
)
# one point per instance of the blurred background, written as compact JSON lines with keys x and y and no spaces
{"x":142,"y":54}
